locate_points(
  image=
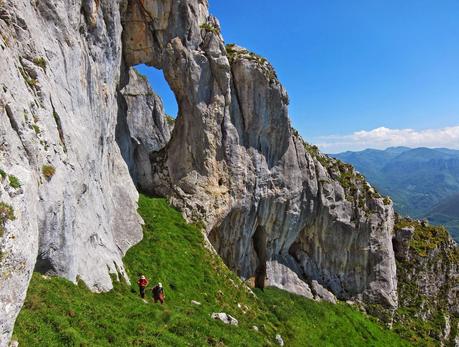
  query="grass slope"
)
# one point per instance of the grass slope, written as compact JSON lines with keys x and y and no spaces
{"x":59,"y":313}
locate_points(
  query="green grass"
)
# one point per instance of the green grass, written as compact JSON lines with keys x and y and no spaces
{"x":58,"y":313}
{"x":308,"y":323}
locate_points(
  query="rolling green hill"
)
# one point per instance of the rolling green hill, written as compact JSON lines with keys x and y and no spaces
{"x":421,"y":181}
{"x":447,"y":213}
{"x":59,"y":313}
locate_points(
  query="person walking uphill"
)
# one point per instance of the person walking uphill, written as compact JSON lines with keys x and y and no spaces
{"x":158,"y":293}
{"x":143,"y":283}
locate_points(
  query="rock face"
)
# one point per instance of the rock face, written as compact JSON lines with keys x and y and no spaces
{"x":428,"y":274}
{"x":235,"y":163}
{"x":59,"y":77}
{"x":76,"y":121}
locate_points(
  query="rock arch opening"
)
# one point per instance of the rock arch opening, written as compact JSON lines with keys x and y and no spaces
{"x":147,"y":117}
{"x":161,"y":87}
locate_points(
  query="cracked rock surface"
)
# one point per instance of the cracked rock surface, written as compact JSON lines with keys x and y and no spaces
{"x":58,"y":109}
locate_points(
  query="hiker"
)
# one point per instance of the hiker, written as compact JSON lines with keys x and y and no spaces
{"x":158,"y":293}
{"x":142,"y":282}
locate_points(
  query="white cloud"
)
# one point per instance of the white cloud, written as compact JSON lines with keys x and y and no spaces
{"x":381,"y":138}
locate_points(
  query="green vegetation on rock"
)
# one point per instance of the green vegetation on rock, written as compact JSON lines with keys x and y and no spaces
{"x":58,"y":313}
{"x":170,"y":120}
{"x":209,"y":27}
{"x":426,"y":237}
{"x":48,"y":171}
{"x":423,"y":290}
{"x":235,"y":53}
{"x":36,"y":128}
{"x":355,"y":186}
{"x":14,"y":182}
{"x":6,"y":214}
{"x":31,"y":82}
{"x":41,"y":62}
{"x":422,"y":182}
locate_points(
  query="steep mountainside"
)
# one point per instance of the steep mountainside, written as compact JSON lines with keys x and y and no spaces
{"x":79,"y":129}
{"x":120,"y":318}
{"x":417,"y":180}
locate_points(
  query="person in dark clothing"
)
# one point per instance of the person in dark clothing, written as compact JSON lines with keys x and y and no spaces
{"x":143,"y":283}
{"x":158,"y":293}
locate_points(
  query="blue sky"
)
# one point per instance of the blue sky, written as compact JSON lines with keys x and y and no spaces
{"x":360,"y":73}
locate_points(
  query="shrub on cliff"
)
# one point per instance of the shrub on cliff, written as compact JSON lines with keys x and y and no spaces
{"x":6,"y":214}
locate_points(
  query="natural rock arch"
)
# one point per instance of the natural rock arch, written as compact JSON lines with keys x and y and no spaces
{"x":234,"y":161}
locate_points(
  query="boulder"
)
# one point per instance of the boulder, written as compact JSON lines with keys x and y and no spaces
{"x":279,"y":340}
{"x":321,"y":293}
{"x":283,"y":277}
{"x":225,"y":318}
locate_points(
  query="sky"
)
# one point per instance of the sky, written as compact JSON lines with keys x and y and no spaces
{"x":359,"y":73}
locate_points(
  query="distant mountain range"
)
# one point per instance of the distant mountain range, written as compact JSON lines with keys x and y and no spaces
{"x":423,"y":182}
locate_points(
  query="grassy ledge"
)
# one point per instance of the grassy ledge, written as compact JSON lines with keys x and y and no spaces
{"x":59,"y":313}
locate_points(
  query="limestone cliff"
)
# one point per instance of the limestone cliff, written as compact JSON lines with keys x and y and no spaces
{"x":235,"y":163}
{"x":428,"y":273}
{"x":79,"y":129}
{"x":74,"y":207}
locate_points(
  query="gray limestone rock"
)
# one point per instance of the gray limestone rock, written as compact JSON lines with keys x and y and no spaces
{"x":279,"y":340}
{"x":283,"y":277}
{"x":225,"y":318}
{"x":146,"y":129}
{"x":321,"y":293}
{"x":428,"y":265}
{"x":235,"y":163}
{"x":272,"y":204}
{"x":59,"y":77}
{"x":401,"y":242}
